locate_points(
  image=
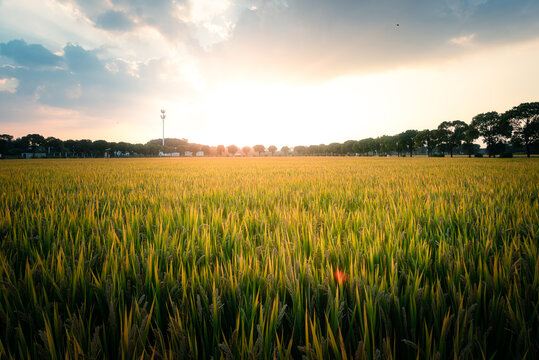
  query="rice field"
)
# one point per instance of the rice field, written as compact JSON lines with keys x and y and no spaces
{"x":262,"y":258}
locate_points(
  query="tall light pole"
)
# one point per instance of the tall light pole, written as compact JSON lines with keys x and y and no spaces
{"x":163,"y":116}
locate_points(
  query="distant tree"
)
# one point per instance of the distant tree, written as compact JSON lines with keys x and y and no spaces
{"x":259,"y":149}
{"x":387,"y":143}
{"x":205,"y":149}
{"x":33,"y":141}
{"x":406,"y":140}
{"x":335,"y":148}
{"x":285,"y":150}
{"x":316,"y":149}
{"x":152,"y":149}
{"x":300,"y":150}
{"x":246,"y":150}
{"x":220,"y":150}
{"x":5,"y":143}
{"x":493,"y":129}
{"x":272,"y":149}
{"x":470,"y":135}
{"x":451,"y":134}
{"x":100,"y":147}
{"x":53,"y":145}
{"x":138,"y":149}
{"x":232,"y":149}
{"x":350,"y":147}
{"x":525,"y":122}
{"x":194,"y":148}
{"x":427,"y":138}
{"x":84,"y":147}
{"x":366,"y":146}
{"x":124,"y":148}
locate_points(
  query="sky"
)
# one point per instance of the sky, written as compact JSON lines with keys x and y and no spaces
{"x":274,"y":72}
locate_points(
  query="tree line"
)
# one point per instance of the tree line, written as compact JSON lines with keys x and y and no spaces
{"x":517,"y":128}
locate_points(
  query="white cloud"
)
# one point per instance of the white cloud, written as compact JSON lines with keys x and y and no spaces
{"x":9,"y":85}
{"x":462,"y":40}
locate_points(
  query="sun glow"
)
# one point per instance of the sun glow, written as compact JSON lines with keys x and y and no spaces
{"x":245,"y":114}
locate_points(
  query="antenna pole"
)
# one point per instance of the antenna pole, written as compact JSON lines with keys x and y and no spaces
{"x":163,"y":116}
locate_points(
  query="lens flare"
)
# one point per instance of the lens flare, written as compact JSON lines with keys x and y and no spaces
{"x":340,"y":277}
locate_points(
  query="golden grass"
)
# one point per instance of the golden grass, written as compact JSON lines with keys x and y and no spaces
{"x":236,"y":258}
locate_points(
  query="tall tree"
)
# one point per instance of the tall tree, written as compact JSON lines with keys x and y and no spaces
{"x":285,"y":150}
{"x":206,"y":149}
{"x":350,"y":147}
{"x":259,"y":149}
{"x":493,"y":129}
{"x":220,"y":150}
{"x":300,"y":150}
{"x":427,"y":138}
{"x":272,"y":149}
{"x":525,"y":122}
{"x":470,"y":135}
{"x":246,"y":150}
{"x":53,"y":145}
{"x":387,"y":143}
{"x":367,"y":145}
{"x":33,"y":141}
{"x":232,"y":149}
{"x":5,"y":143}
{"x":406,"y":141}
{"x":451,"y":134}
{"x":335,"y":148}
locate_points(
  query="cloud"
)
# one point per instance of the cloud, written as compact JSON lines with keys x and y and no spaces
{"x":80,"y":60}
{"x":462,"y":40}
{"x":168,"y":17}
{"x":115,"y":21}
{"x":28,"y":54}
{"x":85,"y":82}
{"x":464,"y":8}
{"x":308,"y":40}
{"x":9,"y":85}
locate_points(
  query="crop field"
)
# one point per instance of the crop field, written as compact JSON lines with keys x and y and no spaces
{"x":325,"y":258}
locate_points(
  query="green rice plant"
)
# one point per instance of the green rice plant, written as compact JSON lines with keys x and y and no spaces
{"x":269,"y":258}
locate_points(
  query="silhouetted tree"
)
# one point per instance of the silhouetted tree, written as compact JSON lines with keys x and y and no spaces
{"x":525,"y":122}
{"x":470,"y":135}
{"x":246,"y":150}
{"x":53,"y":145}
{"x":451,"y":134}
{"x":493,"y":129}
{"x":272,"y":149}
{"x":285,"y":150}
{"x":427,"y":138}
{"x":5,"y":143}
{"x":33,"y":141}
{"x":406,"y":140}
{"x":100,"y":147}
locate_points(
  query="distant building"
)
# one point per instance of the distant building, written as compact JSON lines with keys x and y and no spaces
{"x":200,"y":153}
{"x":189,"y":153}
{"x":174,"y":154}
{"x":33,"y":155}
